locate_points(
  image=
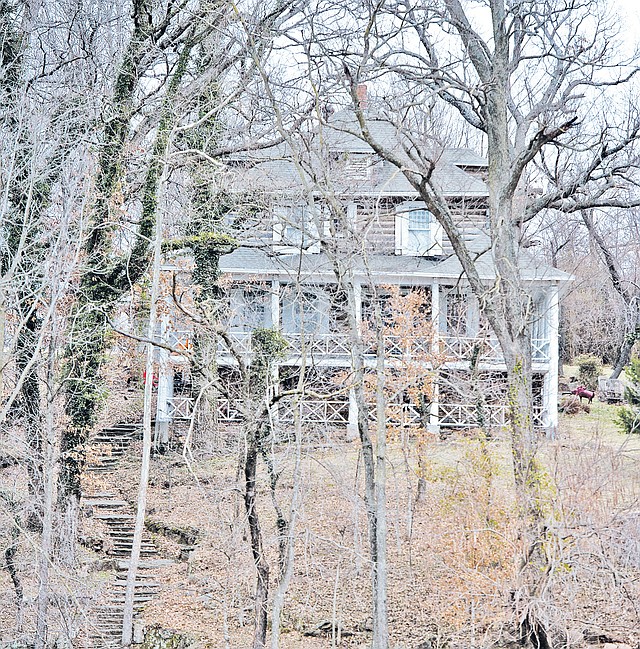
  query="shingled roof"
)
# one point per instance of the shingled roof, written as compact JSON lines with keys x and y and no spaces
{"x":328,"y":155}
{"x":255,"y":262}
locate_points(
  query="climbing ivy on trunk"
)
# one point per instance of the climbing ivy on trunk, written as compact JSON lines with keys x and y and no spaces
{"x":104,"y":280}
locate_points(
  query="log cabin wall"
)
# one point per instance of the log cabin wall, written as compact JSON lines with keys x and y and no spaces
{"x":375,"y":221}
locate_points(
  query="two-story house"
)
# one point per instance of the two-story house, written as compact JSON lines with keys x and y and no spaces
{"x":330,"y":197}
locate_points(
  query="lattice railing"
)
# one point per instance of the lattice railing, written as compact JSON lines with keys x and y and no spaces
{"x":226,"y":411}
{"x":180,"y":407}
{"x":459,"y":415}
{"x":328,"y":412}
{"x":336,"y":413}
{"x":332,"y":345}
{"x":463,"y":347}
{"x":180,"y":339}
{"x":325,"y":344}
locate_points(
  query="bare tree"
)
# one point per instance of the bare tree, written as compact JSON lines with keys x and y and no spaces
{"x":516,"y":74}
{"x":627,"y":290}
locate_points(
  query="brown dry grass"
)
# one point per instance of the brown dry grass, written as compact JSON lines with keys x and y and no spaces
{"x":450,"y":556}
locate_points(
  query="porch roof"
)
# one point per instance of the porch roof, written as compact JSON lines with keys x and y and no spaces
{"x":397,"y":269}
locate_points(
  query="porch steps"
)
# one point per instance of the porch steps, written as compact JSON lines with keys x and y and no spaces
{"x":110,"y":444}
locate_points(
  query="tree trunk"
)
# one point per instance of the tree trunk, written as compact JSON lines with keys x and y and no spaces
{"x":48,"y":486}
{"x":533,"y":567}
{"x":286,"y":568}
{"x":631,"y":336}
{"x":102,"y":282}
{"x":255,"y":531}
{"x":380,"y":621}
{"x":632,"y":316}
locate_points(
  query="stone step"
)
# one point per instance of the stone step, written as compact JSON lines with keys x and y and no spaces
{"x":105,"y":503}
{"x":138,"y":600}
{"x":139,"y":590}
{"x":118,"y":433}
{"x":112,"y":618}
{"x":107,"y":516}
{"x":119,"y":542}
{"x":146,"y":565}
{"x":126,"y":552}
{"x":116,"y":443}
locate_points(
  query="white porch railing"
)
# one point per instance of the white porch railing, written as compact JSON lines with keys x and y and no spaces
{"x":338,"y":345}
{"x":180,"y":407}
{"x":329,"y":412}
{"x":463,"y":348}
{"x":333,"y":412}
{"x":466,"y":416}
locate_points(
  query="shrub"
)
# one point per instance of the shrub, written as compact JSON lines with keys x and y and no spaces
{"x":589,"y":367}
{"x":629,"y":416}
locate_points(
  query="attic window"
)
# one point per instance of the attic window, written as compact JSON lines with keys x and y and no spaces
{"x":358,"y":166}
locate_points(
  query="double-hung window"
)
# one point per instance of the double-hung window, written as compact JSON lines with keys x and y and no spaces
{"x":296,"y":228}
{"x":419,"y":226}
{"x":417,"y":232}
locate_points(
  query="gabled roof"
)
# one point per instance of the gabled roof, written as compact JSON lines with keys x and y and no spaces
{"x":327,"y":155}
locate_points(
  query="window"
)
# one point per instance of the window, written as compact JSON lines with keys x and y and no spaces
{"x":417,"y":232}
{"x":256,"y":314}
{"x":296,"y":228}
{"x":358,"y":166}
{"x":250,"y":308}
{"x":303,"y":312}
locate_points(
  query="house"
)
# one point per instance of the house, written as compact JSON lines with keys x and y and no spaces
{"x":333,"y":198}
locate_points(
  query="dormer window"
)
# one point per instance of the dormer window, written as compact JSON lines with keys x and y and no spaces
{"x":417,"y":232}
{"x":296,"y":229}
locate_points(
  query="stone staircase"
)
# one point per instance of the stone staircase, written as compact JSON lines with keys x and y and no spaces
{"x":110,"y":445}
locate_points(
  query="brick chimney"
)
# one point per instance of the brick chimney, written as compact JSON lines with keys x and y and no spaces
{"x":361,"y":92}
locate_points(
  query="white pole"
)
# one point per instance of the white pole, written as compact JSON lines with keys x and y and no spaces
{"x":550,"y":389}
{"x":127,"y":622}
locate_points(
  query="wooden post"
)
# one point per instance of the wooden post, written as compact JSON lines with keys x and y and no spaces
{"x":434,"y":419}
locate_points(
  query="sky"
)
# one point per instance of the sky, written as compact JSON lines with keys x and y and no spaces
{"x":630,"y":18}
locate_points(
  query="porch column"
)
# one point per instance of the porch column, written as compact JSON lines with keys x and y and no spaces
{"x":275,"y":304}
{"x":165,"y":391}
{"x":434,"y":419}
{"x":550,"y":387}
{"x":275,"y":324}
